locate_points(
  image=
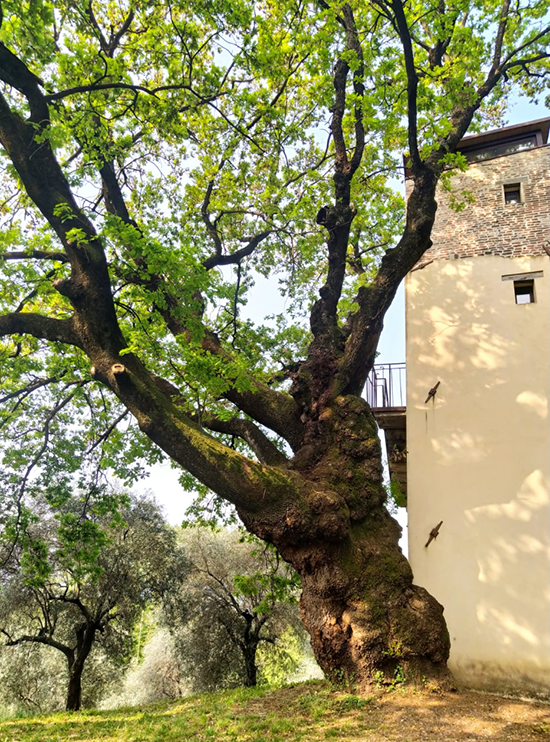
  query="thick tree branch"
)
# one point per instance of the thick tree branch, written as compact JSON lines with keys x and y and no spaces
{"x":327,"y":6}
{"x":60,"y":257}
{"x":338,"y":110}
{"x":45,"y":328}
{"x":116,"y":37}
{"x":154,"y":92}
{"x":211,"y":229}
{"x":14,"y":73}
{"x":236,"y":257}
{"x":437,"y":52}
{"x":275,"y":410}
{"x":353,"y":43}
{"x":76,"y":601}
{"x":93,"y":21}
{"x":112,"y":193}
{"x":266,"y":451}
{"x":89,"y":288}
{"x":47,"y":640}
{"x":499,"y":41}
{"x":234,"y":477}
{"x":337,"y":219}
{"x":109,"y":47}
{"x":412,"y":82}
{"x":366,"y":324}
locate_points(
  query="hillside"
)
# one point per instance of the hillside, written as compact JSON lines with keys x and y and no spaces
{"x":309,"y":712}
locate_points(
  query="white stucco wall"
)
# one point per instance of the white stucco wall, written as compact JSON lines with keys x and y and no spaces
{"x":479,"y":460}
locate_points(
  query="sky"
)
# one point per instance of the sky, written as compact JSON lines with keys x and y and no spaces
{"x":264,"y":299}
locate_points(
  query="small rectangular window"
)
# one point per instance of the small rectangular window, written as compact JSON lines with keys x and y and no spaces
{"x":524,"y":292}
{"x":512,"y":193}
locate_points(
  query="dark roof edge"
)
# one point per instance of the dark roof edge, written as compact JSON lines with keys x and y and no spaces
{"x":494,"y":135}
{"x":505,"y":132}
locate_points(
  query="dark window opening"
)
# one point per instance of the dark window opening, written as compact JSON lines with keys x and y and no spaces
{"x":512,"y":193}
{"x":524,"y":292}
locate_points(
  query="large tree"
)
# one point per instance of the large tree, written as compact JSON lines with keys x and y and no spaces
{"x":160,"y":154}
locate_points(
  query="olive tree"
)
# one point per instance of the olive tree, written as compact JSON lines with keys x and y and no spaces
{"x":237,"y":599}
{"x":157,"y":157}
{"x":83,"y":578}
{"x":30,"y":680}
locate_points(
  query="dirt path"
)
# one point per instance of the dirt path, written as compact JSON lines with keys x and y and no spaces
{"x":404,"y":715}
{"x":462,"y":717}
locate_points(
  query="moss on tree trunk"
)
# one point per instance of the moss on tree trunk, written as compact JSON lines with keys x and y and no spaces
{"x":366,"y":619}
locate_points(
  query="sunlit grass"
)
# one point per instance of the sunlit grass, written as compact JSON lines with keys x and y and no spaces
{"x":309,"y":712}
{"x":305,"y":713}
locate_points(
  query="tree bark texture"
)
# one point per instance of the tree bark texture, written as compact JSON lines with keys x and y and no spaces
{"x":365,"y":616}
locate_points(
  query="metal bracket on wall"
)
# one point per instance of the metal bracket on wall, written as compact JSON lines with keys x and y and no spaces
{"x":431,"y":393}
{"x":433,"y":534}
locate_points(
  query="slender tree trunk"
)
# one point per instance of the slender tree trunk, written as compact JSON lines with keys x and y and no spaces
{"x":366,"y":619}
{"x":251,"y":668}
{"x":85,"y":634}
{"x":74,"y":690}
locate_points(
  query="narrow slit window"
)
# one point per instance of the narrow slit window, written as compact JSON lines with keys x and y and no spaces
{"x":512,"y":193}
{"x":524,"y":292}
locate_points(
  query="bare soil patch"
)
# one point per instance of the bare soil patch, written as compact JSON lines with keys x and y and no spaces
{"x":463,"y":717}
{"x":405,"y":715}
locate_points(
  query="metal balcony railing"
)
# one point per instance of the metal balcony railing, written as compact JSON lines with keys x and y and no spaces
{"x":387,"y":386}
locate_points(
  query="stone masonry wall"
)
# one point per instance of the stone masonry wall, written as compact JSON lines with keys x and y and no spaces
{"x":489,"y":226}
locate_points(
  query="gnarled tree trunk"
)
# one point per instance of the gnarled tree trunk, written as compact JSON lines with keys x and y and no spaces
{"x":363,"y":612}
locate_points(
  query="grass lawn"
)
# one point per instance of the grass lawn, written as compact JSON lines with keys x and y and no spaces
{"x":310,"y":712}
